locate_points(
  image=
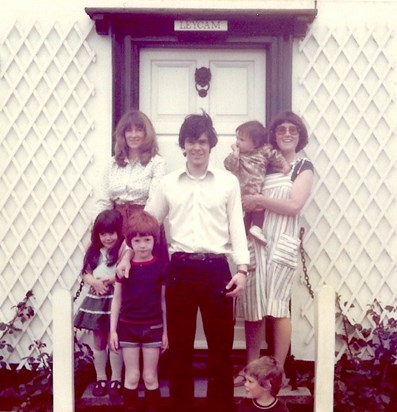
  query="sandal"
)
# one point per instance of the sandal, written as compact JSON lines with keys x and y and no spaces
{"x":115,"y":389}
{"x":100,"y":388}
{"x":239,"y":380}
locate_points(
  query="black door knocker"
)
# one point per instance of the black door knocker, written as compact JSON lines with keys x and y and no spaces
{"x":202,"y":77}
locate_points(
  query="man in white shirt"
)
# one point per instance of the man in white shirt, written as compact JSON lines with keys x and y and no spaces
{"x":203,"y":205}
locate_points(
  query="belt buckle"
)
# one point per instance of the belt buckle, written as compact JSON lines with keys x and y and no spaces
{"x":199,"y":256}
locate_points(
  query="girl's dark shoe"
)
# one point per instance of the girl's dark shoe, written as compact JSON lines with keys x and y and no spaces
{"x":100,"y":388}
{"x":115,"y":389}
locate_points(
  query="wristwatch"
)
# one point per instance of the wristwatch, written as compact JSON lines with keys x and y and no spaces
{"x":244,"y":272}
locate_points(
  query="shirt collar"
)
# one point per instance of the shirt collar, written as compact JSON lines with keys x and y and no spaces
{"x":184,"y":172}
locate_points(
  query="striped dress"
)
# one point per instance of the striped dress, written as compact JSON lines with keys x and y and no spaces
{"x":94,"y":312}
{"x":272,"y":268}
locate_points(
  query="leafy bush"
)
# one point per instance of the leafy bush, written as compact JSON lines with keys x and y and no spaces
{"x":23,"y":312}
{"x":363,"y":375}
{"x":32,"y":390}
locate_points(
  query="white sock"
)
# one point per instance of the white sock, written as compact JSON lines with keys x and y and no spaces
{"x":116,"y":363}
{"x":100,"y":360}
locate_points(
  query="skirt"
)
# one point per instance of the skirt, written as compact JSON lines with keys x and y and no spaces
{"x":94,"y":311}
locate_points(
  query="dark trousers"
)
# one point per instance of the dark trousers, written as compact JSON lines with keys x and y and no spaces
{"x":198,"y":282}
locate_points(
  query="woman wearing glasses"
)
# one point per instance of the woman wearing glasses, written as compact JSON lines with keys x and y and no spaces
{"x":268,"y":289}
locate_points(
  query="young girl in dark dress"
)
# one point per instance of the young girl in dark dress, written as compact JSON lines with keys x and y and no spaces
{"x":99,"y":269}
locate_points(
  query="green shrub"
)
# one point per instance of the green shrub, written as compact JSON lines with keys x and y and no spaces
{"x":363,"y":375}
{"x":32,"y":390}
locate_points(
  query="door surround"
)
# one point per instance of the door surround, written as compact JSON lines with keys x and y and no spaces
{"x":272,"y":31}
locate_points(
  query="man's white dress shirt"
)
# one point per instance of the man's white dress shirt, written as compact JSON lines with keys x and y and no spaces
{"x":204,"y":214}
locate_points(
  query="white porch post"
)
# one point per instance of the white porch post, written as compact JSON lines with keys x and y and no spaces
{"x":325,"y":349}
{"x":63,"y":356}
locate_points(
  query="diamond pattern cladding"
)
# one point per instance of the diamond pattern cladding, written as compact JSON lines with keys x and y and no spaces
{"x":348,"y":86}
{"x":44,"y":125}
{"x":347,"y":97}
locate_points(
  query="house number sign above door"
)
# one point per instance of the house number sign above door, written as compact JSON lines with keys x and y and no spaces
{"x":200,"y":25}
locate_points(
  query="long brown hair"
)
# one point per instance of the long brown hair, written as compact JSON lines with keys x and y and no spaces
{"x":148,"y":148}
{"x":108,"y":221}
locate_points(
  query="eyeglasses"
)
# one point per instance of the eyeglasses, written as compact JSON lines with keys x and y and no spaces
{"x":282,"y":130}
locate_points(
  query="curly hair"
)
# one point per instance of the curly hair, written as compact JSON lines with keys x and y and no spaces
{"x":148,"y":148}
{"x":293,"y":118}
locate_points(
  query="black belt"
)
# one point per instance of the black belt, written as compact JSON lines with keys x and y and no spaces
{"x":197,"y":256}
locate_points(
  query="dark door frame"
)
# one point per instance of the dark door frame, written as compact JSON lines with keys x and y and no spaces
{"x":272,"y":31}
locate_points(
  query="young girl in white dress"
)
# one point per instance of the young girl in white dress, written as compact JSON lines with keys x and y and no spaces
{"x":99,"y":269}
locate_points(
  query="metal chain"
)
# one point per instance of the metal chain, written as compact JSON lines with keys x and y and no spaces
{"x":76,"y":296}
{"x":302,"y":250}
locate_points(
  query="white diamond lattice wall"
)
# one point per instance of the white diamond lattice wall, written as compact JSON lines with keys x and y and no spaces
{"x":44,"y":122}
{"x":348,"y":88}
{"x":345,"y":89}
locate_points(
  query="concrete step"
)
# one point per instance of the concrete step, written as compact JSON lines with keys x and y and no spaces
{"x":301,"y":395}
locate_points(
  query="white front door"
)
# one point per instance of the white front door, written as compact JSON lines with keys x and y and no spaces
{"x":168,"y":93}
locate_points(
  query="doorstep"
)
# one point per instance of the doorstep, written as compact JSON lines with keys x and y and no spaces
{"x":299,"y":396}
